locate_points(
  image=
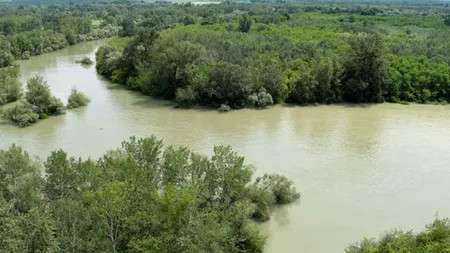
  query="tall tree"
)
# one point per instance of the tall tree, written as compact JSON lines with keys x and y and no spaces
{"x":245,"y":23}
{"x":365,"y":70}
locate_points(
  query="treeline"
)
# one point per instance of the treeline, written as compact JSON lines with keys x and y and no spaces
{"x":139,"y":198}
{"x":256,"y":55}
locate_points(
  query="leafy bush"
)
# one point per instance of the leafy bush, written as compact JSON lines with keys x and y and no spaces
{"x":77,"y":99}
{"x":85,"y":61}
{"x":20,"y":114}
{"x":268,"y":191}
{"x":260,"y":99}
{"x":38,"y":95}
{"x":435,"y":238}
{"x":185,"y":97}
{"x":224,"y":108}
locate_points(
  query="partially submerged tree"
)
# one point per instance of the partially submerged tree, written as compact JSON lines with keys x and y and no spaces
{"x":39,"y":96}
{"x":77,"y":99}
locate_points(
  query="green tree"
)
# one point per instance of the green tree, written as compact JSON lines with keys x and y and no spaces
{"x":12,"y":237}
{"x":365,"y":72}
{"x":128,"y":27}
{"x":245,"y":23}
{"x":224,"y":83}
{"x":173,"y":68}
{"x":39,"y":96}
{"x":20,"y":182}
{"x":110,"y":206}
{"x":40,"y":231}
{"x":10,"y":89}
{"x":77,"y":99}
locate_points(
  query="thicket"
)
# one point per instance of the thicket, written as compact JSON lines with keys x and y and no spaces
{"x":251,"y":55}
{"x":38,"y":103}
{"x":435,"y":238}
{"x":139,"y":198}
{"x":85,"y":61}
{"x":10,"y":89}
{"x":77,"y":99}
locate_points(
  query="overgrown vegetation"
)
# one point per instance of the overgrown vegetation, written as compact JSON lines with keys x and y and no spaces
{"x":77,"y":99}
{"x":20,"y":114}
{"x":39,"y":103}
{"x":85,"y":61}
{"x":435,"y":238}
{"x":139,"y":198}
{"x":301,"y":54}
{"x":39,"y":97}
{"x":10,"y":89}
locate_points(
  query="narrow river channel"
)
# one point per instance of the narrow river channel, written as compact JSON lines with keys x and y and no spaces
{"x":360,"y":169}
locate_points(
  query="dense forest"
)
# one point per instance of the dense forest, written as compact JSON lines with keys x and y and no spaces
{"x":139,"y":198}
{"x":259,"y":54}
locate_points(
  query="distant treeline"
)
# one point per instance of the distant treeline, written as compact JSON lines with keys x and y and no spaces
{"x":260,"y":54}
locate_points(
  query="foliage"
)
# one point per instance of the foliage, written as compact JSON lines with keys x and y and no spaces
{"x":323,"y":55}
{"x":139,"y":198}
{"x":38,"y":95}
{"x":20,"y":114}
{"x":77,"y":99}
{"x":435,"y":238}
{"x":245,"y":23}
{"x":85,"y":61}
{"x":268,"y":191}
{"x":185,"y":97}
{"x":260,"y":99}
{"x":224,"y":108}
{"x":38,"y":104}
{"x":28,"y":31}
{"x":365,"y":74}
{"x":10,"y":89}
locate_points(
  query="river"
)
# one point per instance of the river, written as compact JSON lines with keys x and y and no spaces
{"x":360,"y":169}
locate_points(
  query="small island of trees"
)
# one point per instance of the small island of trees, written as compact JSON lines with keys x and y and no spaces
{"x":38,"y":102}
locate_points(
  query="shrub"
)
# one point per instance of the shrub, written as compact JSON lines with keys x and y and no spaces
{"x":224,"y":108}
{"x":434,"y":239}
{"x":77,"y":99}
{"x":20,"y":114}
{"x":268,"y":191}
{"x":281,"y":187}
{"x":260,"y":99}
{"x":26,"y":55}
{"x":85,"y":61}
{"x":185,"y":97}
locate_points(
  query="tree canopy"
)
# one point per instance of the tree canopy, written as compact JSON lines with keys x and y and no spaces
{"x":139,"y":198}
